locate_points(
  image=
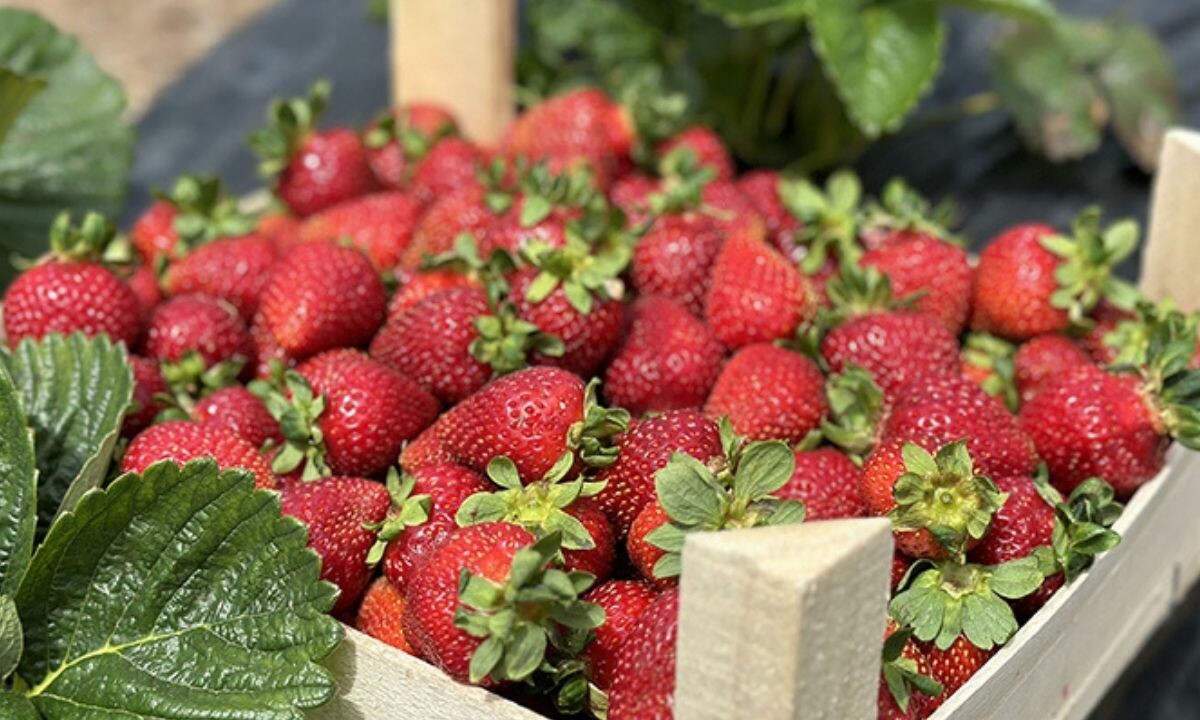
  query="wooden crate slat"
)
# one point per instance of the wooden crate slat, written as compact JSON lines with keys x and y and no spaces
{"x":1172,"y":246}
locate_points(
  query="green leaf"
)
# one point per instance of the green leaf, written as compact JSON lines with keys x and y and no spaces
{"x":74,"y":440}
{"x":180,"y":591}
{"x":1139,"y":82}
{"x":11,"y":638}
{"x":880,"y":57}
{"x":764,"y":468}
{"x":18,"y":489}
{"x":755,"y":12}
{"x":69,"y":149}
{"x":15,"y":93}
{"x":689,"y":492}
{"x":1016,"y":578}
{"x":503,"y":471}
{"x":1029,"y":10}
{"x":17,"y":707}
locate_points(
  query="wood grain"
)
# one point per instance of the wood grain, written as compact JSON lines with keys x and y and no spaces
{"x":1171,"y":253}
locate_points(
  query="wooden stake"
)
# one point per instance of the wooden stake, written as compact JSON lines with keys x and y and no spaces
{"x":461,"y":54}
{"x":1171,"y":254}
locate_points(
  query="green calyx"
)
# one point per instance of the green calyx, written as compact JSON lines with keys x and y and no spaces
{"x":298,"y":413}
{"x":682,"y":185}
{"x":856,"y":412}
{"x":203,"y":212}
{"x":994,"y":356}
{"x":1170,"y":380}
{"x":288,"y":123}
{"x":901,"y":674}
{"x":585,"y":273}
{"x":92,"y":240}
{"x":942,"y":494}
{"x":1130,"y":338}
{"x":1085,"y":273}
{"x":1082,"y":525}
{"x":535,"y":612}
{"x":830,"y":218}
{"x":592,"y":438}
{"x":901,"y":207}
{"x":735,"y":491}
{"x":191,"y":378}
{"x":408,"y":510}
{"x":505,"y":340}
{"x":464,"y":259}
{"x":539,"y":506}
{"x":413,"y":143}
{"x":858,"y":290}
{"x":951,"y":598}
{"x":543,"y":191}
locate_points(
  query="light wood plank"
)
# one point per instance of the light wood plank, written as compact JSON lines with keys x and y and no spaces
{"x":1171,"y":253}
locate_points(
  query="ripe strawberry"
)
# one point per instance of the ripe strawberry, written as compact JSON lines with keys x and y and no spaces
{"x":72,"y":291}
{"x":901,"y":215}
{"x":643,"y":554}
{"x":939,"y":506}
{"x":268,"y":356}
{"x":425,"y":450}
{"x":667,"y":360}
{"x":182,"y":440}
{"x":631,"y":194}
{"x":448,"y":166}
{"x":828,"y":484}
{"x":580,"y":127}
{"x":335,"y":510}
{"x":481,"y":571}
{"x":1041,"y":359}
{"x":147,"y":384}
{"x":623,"y":602}
{"x":312,"y":169}
{"x":196,"y":211}
{"x":197,"y":325}
{"x":674,"y":258}
{"x":1101,"y":342}
{"x":1031,"y":281}
{"x":643,"y":680}
{"x":952,"y":667}
{"x":402,"y":136}
{"x":906,"y":685}
{"x":938,"y":270}
{"x":240,"y":411}
{"x":144,"y":284}
{"x":645,"y":449}
{"x":756,"y":295}
{"x":323,"y":296}
{"x":234,"y":269}
{"x":706,"y":147}
{"x":513,"y":229}
{"x":761,"y":188}
{"x":280,"y":227}
{"x":1023,"y":523}
{"x":380,"y":225}
{"x":381,"y":615}
{"x":734,"y":212}
{"x":533,"y":417}
{"x":153,"y":233}
{"x":768,"y":393}
{"x":416,"y":286}
{"x":465,"y":210}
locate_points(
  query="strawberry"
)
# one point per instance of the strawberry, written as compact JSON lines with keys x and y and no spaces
{"x":144,"y":284}
{"x":268,"y":356}
{"x":734,"y":212}
{"x":987,"y":361}
{"x":153,"y":233}
{"x":761,"y":188}
{"x":196,"y":211}
{"x":643,"y":679}
{"x":311,"y":169}
{"x":381,"y":614}
{"x":674,"y":258}
{"x":706,"y":147}
{"x":905,"y":684}
{"x":952,"y":667}
{"x":380,"y":225}
{"x":668,"y":359}
{"x":335,"y":509}
{"x":1022,"y":524}
{"x":233,"y":269}
{"x":769,"y":392}
{"x":182,"y":440}
{"x":448,"y":166}
{"x":323,"y":296}
{"x":1031,"y":281}
{"x":623,"y":602}
{"x":901,"y":215}
{"x":416,"y":286}
{"x":756,"y":295}
{"x":348,"y":415}
{"x":936,"y":272}
{"x":72,"y":291}
{"x":280,"y":227}
{"x":1041,"y":359}
{"x":644,"y":554}
{"x":632,"y":194}
{"x":425,"y":450}
{"x":645,"y":449}
{"x":468,"y":209}
{"x":200,"y":341}
{"x":828,"y":484}
{"x":402,"y":136}
{"x":489,"y":570}
{"x":148,"y":384}
{"x":533,"y":417}
{"x":1103,"y":341}
{"x":579,"y":127}
{"x":940,"y":507}
{"x":541,"y":210}
{"x":239,"y":410}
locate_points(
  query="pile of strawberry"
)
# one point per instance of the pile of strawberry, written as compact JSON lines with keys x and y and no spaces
{"x":501,"y":385}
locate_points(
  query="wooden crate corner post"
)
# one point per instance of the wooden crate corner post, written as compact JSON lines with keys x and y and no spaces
{"x":784,"y":622}
{"x":1172,"y":248}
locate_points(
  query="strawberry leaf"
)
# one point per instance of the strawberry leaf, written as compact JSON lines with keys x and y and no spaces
{"x":689,"y":492}
{"x":12,"y":641}
{"x":763,"y":468}
{"x":182,"y":587}
{"x":17,"y":707}
{"x":15,"y":93}
{"x":18,"y":488}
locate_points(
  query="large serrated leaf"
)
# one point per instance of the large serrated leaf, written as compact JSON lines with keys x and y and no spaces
{"x":69,"y":148}
{"x":179,"y":593}
{"x":15,"y":93}
{"x":18,"y":489}
{"x":75,"y":392}
{"x":756,"y":12}
{"x":880,"y":57}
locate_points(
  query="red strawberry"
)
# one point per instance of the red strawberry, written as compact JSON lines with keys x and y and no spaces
{"x":233,"y":269}
{"x":416,"y":286}
{"x":323,"y":296}
{"x":1098,"y":342}
{"x":469,"y":579}
{"x":1040,"y":360}
{"x":280,"y":227}
{"x":734,"y":212}
{"x":1031,"y":281}
{"x":312,"y":169}
{"x":465,"y":210}
{"x":200,"y":325}
{"x":153,"y":233}
{"x":706,"y":147}
{"x":513,"y":230}
{"x":401,"y":137}
{"x":335,"y":510}
{"x":936,"y":269}
{"x":925,"y":494}
{"x":668,"y":359}
{"x":597,"y":561}
{"x":644,"y":450}
{"x":623,"y":602}
{"x":425,"y":450}
{"x":893,"y":346}
{"x":987,"y":361}
{"x":643,"y":554}
{"x":380,"y":225}
{"x":631,"y":193}
{"x":580,"y":127}
{"x":769,"y":393}
{"x":381,"y":614}
{"x":181,"y":441}
{"x":239,"y":410}
{"x":827,"y":483}
{"x":72,"y":291}
{"x":643,"y":681}
{"x":533,"y":417}
{"x":448,"y":166}
{"x":761,"y":188}
{"x":196,"y":211}
{"x":267,"y":353}
{"x":952,"y":667}
{"x":906,"y":672}
{"x":675,"y":257}
{"x":756,"y":295}
{"x":144,"y":284}
{"x":1024,"y":523}
{"x":147,"y":384}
